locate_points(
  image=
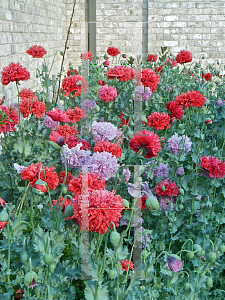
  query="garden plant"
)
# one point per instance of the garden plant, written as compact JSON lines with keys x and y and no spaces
{"x":115,"y":187}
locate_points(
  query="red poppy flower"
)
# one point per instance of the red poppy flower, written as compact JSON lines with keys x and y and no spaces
{"x":113,"y":51}
{"x":75,"y":114}
{"x":152,"y":58}
{"x":19,"y":294}
{"x":214,"y":166}
{"x":108,"y":147}
{"x":123,"y":122}
{"x":122,"y":73}
{"x":207,"y":76}
{"x":67,"y":130}
{"x":174,"y":110}
{"x":31,"y":174}
{"x":14,"y":72}
{"x":146,"y":140}
{"x":57,"y":115}
{"x":170,"y":188}
{"x":158,"y":69}
{"x":158,"y":120}
{"x":27,"y":98}
{"x":69,"y":177}
{"x":183,"y":57}
{"x":192,"y":98}
{"x":150,"y":79}
{"x":124,"y":56}
{"x":10,"y":120}
{"x":36,"y":51}
{"x":101,"y":82}
{"x":71,"y":83}
{"x":56,"y":138}
{"x":86,"y":56}
{"x":125,"y":263}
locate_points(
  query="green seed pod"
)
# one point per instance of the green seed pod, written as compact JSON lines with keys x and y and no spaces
{"x":181,"y":207}
{"x":209,"y":282}
{"x":24,"y":258}
{"x":170,"y":63}
{"x":114,"y":238}
{"x":145,"y":254}
{"x":181,"y":126}
{"x":170,"y":225}
{"x":157,"y":96}
{"x":69,"y":211}
{"x":64,"y":190}
{"x":211,"y":257}
{"x":97,"y":108}
{"x":164,"y":75}
{"x":111,"y":274}
{"x":190,"y":255}
{"x":156,"y":105}
{"x":181,"y":192}
{"x":199,"y":248}
{"x":215,"y":150}
{"x":163,"y":188}
{"x":125,"y":203}
{"x":222,"y":248}
{"x":130,"y":134}
{"x":4,"y":217}
{"x":187,"y":286}
{"x":48,"y":259}
{"x":207,"y":102}
{"x":152,"y":203}
{"x":54,"y":145}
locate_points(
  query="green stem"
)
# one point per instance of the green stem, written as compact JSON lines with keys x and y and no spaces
{"x":24,"y":222}
{"x":8,"y":233}
{"x":32,"y":214}
{"x":21,"y":202}
{"x":98,"y":247}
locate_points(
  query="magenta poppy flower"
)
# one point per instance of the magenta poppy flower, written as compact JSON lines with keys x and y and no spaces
{"x":174,"y":263}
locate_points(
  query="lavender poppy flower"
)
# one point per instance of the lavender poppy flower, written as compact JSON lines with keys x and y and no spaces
{"x":219,"y":102}
{"x":180,"y":171}
{"x":18,"y":168}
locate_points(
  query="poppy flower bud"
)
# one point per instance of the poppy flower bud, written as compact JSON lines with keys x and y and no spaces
{"x":30,"y":279}
{"x":174,"y":262}
{"x":124,"y":56}
{"x":4,"y":217}
{"x":69,"y":211}
{"x":208,"y":120}
{"x":101,"y":82}
{"x":56,"y":140}
{"x":106,"y":63}
{"x":163,"y":188}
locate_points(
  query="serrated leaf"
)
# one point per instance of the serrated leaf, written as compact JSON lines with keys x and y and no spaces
{"x":90,"y":288}
{"x":122,"y":252}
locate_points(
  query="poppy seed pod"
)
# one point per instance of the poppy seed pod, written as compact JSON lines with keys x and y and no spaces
{"x":174,"y":262}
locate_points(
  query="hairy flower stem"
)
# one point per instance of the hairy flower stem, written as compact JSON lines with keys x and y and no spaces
{"x":8,"y":233}
{"x":65,"y":47}
{"x":32,"y":214}
{"x":100,"y":238}
{"x":21,"y":202}
{"x":216,"y":182}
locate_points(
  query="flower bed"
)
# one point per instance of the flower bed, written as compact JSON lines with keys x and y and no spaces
{"x":118,"y":195}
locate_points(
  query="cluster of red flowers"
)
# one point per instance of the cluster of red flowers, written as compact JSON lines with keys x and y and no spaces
{"x":36,"y":51}
{"x":72,"y":141}
{"x":183,"y":57}
{"x":125,"y":263}
{"x":11,"y":114}
{"x":27,"y":98}
{"x":170,"y":188}
{"x":122,"y":73}
{"x":207,"y":76}
{"x":31,"y":174}
{"x":58,"y":115}
{"x":159,"y":121}
{"x":108,"y":147}
{"x":174,"y":110}
{"x":72,"y":72}
{"x":113,"y":51}
{"x":67,"y":130}
{"x":75,"y":114}
{"x":123,"y":122}
{"x":158,"y":69}
{"x":146,"y":140}
{"x":192,"y":98}
{"x":150,"y":79}
{"x":2,"y":224}
{"x":152,"y":58}
{"x":104,"y":206}
{"x":74,"y":83}
{"x":86,"y":56}
{"x":14,"y":72}
{"x":214,"y":166}
{"x":69,"y":177}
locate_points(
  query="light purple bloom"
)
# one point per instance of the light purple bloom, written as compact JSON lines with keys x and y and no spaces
{"x":165,"y":202}
{"x":199,"y":197}
{"x":87,"y":105}
{"x":139,"y":92}
{"x":75,"y":157}
{"x":103,"y":131}
{"x":101,"y":119}
{"x":18,"y":168}
{"x":104,"y":164}
{"x":169,"y":88}
{"x":175,"y":143}
{"x":48,"y":122}
{"x":219,"y":102}
{"x":180,"y":171}
{"x":162,"y":170}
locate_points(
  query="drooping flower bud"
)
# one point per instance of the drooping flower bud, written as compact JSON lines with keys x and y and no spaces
{"x":174,"y":262}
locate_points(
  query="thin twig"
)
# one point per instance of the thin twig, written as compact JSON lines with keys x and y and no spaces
{"x":65,"y":49}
